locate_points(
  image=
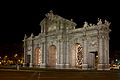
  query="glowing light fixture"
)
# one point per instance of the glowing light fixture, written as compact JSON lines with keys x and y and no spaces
{"x":96,"y":56}
{"x":116,"y":60}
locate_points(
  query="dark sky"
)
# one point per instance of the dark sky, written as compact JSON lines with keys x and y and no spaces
{"x":17,"y":22}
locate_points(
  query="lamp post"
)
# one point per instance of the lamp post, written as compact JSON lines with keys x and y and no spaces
{"x":16,"y":60}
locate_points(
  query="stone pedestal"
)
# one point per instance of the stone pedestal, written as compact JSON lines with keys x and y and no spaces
{"x":59,"y":66}
{"x":101,"y":67}
{"x":67,"y":66}
{"x":84,"y":66}
{"x":42,"y":66}
{"x":18,"y":67}
{"x":107,"y":66}
{"x":30,"y":65}
{"x":24,"y":64}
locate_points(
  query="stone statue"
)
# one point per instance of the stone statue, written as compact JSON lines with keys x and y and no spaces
{"x":50,"y":15}
{"x":91,"y":25}
{"x":32,"y":35}
{"x":85,"y":24}
{"x":99,"y":21}
{"x":71,"y":19}
{"x":25,"y":36}
{"x":51,"y":11}
{"x":107,"y":23}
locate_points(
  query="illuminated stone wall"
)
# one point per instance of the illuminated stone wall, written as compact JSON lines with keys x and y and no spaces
{"x":57,"y":42}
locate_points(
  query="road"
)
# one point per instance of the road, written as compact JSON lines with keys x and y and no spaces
{"x":21,"y":75}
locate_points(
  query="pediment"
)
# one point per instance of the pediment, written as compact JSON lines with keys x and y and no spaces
{"x":51,"y":22}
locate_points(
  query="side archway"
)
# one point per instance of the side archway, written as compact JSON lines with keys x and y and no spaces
{"x":52,"y":56}
{"x":77,"y":55}
{"x":38,"y":56}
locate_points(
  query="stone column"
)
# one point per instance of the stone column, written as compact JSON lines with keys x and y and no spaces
{"x":31,"y":46}
{"x":67,"y":55}
{"x":42,"y":30}
{"x":92,"y":60}
{"x":42,"y":65}
{"x":58,"y":54}
{"x":108,"y":52}
{"x":101,"y":54}
{"x":31,"y":62}
{"x":64,"y":52}
{"x":42,"y":52}
{"x":46,"y":52}
{"x":35,"y":46}
{"x":85,"y":63}
{"x":57,"y":45}
{"x":61,"y":54}
{"x":107,"y":65}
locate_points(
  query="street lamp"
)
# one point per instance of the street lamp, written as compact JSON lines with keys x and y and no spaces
{"x":116,"y":60}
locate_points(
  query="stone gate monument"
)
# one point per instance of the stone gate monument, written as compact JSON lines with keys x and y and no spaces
{"x":61,"y":45}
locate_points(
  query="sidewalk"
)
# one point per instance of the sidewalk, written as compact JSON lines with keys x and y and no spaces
{"x":20,"y":70}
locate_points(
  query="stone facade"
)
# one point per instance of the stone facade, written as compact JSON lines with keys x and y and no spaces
{"x":61,"y":45}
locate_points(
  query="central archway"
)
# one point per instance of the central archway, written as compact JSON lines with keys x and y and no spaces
{"x":52,"y":59}
{"x":77,"y":56}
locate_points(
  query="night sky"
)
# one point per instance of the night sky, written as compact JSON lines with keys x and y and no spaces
{"x":17,"y":22}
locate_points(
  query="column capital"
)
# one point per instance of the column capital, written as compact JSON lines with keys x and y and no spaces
{"x":101,"y":37}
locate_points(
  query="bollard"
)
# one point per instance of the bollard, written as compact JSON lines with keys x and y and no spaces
{"x":18,"y":68}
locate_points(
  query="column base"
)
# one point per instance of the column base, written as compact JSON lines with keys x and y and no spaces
{"x":59,"y":66}
{"x":30,"y":65}
{"x":103,"y":67}
{"x":84,"y":66}
{"x":107,"y":66}
{"x":100,"y":67}
{"x":67,"y":65}
{"x":42,"y":66}
{"x":18,"y":67}
{"x":91,"y":68}
{"x":62,"y":66}
{"x":24,"y":64}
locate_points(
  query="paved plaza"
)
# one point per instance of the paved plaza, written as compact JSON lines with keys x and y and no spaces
{"x":23,"y":75}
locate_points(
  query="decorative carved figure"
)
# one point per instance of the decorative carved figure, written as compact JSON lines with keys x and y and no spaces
{"x":50,"y":15}
{"x":99,"y":22}
{"x":107,"y":23}
{"x":85,"y":24}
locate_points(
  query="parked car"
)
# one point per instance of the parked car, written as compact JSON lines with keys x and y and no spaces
{"x":114,"y":67}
